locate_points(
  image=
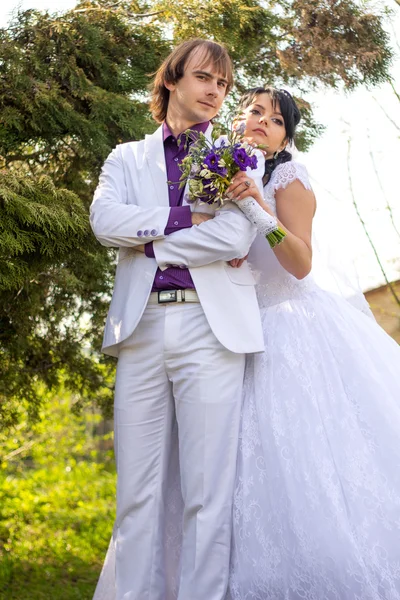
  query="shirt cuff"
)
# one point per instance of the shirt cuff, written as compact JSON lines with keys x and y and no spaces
{"x":180,"y":217}
{"x":148,"y":250}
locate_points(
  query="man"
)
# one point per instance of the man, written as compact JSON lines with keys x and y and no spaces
{"x":181,"y":321}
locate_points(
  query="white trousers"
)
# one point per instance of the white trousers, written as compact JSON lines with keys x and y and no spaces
{"x":173,"y":366}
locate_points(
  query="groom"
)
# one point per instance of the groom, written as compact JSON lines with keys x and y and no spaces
{"x":180,"y":322}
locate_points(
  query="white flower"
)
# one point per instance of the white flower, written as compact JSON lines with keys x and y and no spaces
{"x":240,"y":129}
{"x":195,"y":168}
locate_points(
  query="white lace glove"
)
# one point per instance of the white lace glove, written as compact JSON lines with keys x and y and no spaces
{"x":264,"y":222}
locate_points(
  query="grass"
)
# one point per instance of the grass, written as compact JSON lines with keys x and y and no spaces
{"x":57,"y":490}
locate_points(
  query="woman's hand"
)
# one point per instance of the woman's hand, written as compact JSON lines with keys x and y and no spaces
{"x":242,"y":187}
{"x":236,"y":263}
{"x":139,"y":248}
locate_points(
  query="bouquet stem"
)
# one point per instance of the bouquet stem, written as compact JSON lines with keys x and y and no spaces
{"x":276,"y":237}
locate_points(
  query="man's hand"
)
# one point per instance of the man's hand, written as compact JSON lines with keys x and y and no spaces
{"x":199,"y":217}
{"x":237,"y":262}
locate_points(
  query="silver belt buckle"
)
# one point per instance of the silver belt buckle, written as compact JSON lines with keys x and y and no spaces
{"x":167,"y":296}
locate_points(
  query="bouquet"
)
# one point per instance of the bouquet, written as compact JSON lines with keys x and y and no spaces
{"x":210,"y":165}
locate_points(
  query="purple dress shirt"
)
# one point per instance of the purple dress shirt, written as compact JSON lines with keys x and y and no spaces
{"x":180,"y":217}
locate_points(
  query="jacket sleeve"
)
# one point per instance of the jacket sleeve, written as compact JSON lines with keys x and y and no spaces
{"x":114,"y":221}
{"x":229,"y":235}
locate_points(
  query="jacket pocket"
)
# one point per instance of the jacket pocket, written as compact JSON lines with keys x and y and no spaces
{"x":241,"y":276}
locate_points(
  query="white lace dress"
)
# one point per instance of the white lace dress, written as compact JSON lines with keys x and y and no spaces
{"x":317,"y":500}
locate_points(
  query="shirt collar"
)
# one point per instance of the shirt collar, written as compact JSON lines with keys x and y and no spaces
{"x":198,"y":127}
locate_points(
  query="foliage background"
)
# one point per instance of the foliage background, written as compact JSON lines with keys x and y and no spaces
{"x":57,"y":487}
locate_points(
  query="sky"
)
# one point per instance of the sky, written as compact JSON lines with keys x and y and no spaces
{"x":367,"y":175}
{"x":373,"y":164}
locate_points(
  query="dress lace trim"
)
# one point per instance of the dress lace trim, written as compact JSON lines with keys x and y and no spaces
{"x":287,"y":173}
{"x":282,"y":176}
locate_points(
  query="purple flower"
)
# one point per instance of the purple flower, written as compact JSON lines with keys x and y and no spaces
{"x":209,"y":191}
{"x":211,"y":162}
{"x":241,"y":158}
{"x":208,"y":184}
{"x":253,"y":162}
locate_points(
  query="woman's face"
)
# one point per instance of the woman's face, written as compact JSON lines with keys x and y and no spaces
{"x":264,"y":124}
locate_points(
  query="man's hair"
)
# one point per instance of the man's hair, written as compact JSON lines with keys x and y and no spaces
{"x":173,"y":69}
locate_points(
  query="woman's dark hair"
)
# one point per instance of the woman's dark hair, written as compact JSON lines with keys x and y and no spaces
{"x":291,"y":117}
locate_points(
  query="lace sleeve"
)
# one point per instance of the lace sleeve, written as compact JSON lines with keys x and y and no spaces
{"x":264,"y":222}
{"x":286,"y":173}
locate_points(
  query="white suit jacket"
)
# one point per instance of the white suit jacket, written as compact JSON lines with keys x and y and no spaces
{"x":131,"y":207}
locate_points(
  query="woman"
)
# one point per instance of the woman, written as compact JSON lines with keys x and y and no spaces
{"x":317,"y":499}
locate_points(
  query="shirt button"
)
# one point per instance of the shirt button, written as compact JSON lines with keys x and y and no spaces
{"x":140,"y":233}
{"x":161,"y":277}
{"x":146,"y":232}
{"x":171,"y":187}
{"x":176,"y":222}
{"x":154,"y":232}
{"x":176,"y":159}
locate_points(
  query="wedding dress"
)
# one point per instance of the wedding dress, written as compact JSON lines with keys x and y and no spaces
{"x":317,"y":499}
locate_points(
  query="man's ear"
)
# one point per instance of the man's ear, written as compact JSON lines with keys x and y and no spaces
{"x":169,"y":85}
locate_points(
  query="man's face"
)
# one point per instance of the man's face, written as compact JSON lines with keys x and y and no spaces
{"x":198,"y":95}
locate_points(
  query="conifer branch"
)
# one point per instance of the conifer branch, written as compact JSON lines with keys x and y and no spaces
{"x":21,"y":157}
{"x":116,"y":6}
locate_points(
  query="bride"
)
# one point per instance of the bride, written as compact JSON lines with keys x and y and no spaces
{"x":317,"y":498}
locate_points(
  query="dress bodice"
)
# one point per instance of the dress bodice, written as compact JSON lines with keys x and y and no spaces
{"x":274,"y":283}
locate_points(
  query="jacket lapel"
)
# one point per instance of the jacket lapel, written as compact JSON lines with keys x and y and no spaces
{"x":155,"y":158}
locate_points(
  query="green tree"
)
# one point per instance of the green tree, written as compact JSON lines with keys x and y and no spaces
{"x":73,"y":85}
{"x":309,"y":42}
